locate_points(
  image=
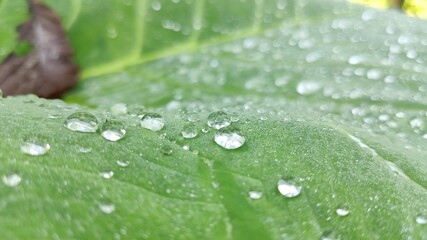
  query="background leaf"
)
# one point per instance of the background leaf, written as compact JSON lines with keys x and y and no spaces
{"x":329,"y":93}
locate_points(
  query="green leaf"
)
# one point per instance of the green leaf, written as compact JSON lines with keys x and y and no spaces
{"x":328,"y":93}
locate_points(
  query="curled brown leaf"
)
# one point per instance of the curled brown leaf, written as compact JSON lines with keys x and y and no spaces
{"x":48,"y":70}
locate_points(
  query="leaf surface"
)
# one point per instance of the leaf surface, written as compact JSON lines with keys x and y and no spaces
{"x":328,"y":93}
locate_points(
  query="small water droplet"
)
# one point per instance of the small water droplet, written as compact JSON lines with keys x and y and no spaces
{"x":215,"y":185}
{"x":81,"y":122}
{"x":152,"y":121}
{"x":112,"y":32}
{"x":156,"y":6}
{"x":193,"y":117}
{"x":356,"y":59}
{"x":119,"y":109}
{"x":122,"y":163}
{"x":289,"y":187}
{"x":11,"y":180}
{"x":255,"y":195}
{"x":342,"y":211}
{"x":229,"y":138}
{"x":234,"y":117}
{"x":421,"y":218}
{"x":34,"y":146}
{"x":307,"y":87}
{"x":107,"y":174}
{"x":127,"y":2}
{"x":166,"y":150}
{"x":263,"y":117}
{"x":219,"y":120}
{"x":328,"y":235}
{"x":113,"y":130}
{"x":107,"y":206}
{"x":84,"y":149}
{"x":186,"y":147}
{"x":54,"y":116}
{"x":189,"y":131}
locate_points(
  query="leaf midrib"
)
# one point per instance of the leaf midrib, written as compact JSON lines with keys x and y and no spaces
{"x":191,"y":45}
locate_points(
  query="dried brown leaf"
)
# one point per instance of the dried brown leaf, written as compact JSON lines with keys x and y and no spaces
{"x":48,"y":70}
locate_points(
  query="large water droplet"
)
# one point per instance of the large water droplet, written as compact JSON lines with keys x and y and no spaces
{"x":342,"y":211}
{"x":107,"y":206}
{"x":122,"y":163}
{"x":189,"y":131}
{"x":229,"y":138}
{"x":81,"y":122}
{"x":152,"y":121}
{"x":11,"y":180}
{"x":289,"y":187}
{"x":107,"y":174}
{"x":219,"y":120}
{"x":34,"y":146}
{"x":113,"y":130}
{"x":255,"y":195}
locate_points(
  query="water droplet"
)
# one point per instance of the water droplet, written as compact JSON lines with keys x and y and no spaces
{"x":107,"y":174}
{"x":255,"y":195}
{"x":234,"y":117}
{"x":289,"y":188}
{"x":152,"y":121}
{"x":11,"y":180}
{"x":81,"y":122}
{"x":219,"y":120}
{"x":112,"y":32}
{"x":84,"y":149}
{"x":54,"y":116}
{"x":122,"y":163}
{"x":107,"y":206}
{"x":119,"y":109}
{"x":342,"y":211}
{"x":328,"y":235}
{"x":186,"y":147}
{"x":356,"y":59}
{"x":307,"y":87}
{"x":193,"y":117}
{"x":166,"y":150}
{"x":34,"y":146}
{"x":229,"y":138}
{"x":421,"y":219}
{"x":263,"y":117}
{"x":113,"y":130}
{"x":189,"y":131}
{"x":156,"y":6}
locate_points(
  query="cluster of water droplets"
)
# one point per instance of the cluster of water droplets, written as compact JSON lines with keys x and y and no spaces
{"x":226,"y":136}
{"x":111,"y":130}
